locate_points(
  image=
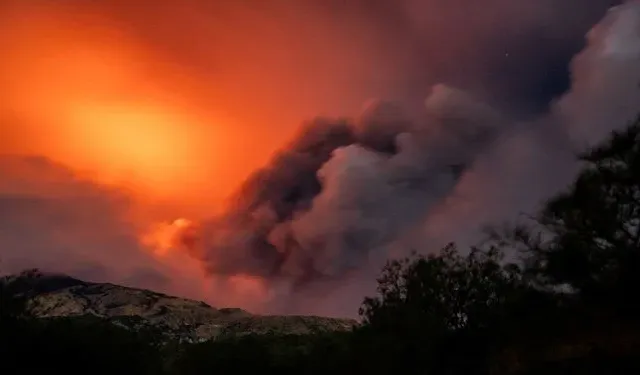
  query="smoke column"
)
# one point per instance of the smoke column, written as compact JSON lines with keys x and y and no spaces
{"x":159,"y":146}
{"x":343,"y":195}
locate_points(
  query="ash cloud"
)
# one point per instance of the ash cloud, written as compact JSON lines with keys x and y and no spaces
{"x":342,"y":190}
{"x":344,"y":195}
{"x":533,"y":160}
{"x":606,"y":90}
{"x":317,"y":222}
{"x":52,"y":219}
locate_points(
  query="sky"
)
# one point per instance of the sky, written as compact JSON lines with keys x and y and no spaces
{"x":273,"y":155}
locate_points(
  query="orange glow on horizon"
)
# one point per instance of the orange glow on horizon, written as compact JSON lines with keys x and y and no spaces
{"x":148,"y":142}
{"x":86,"y":95}
{"x":164,"y":238}
{"x":250,"y":287}
{"x":251,"y":292}
{"x":173,"y":103}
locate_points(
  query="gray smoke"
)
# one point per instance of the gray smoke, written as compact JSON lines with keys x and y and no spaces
{"x":52,"y":219}
{"x":343,"y":191}
{"x":533,"y":160}
{"x":345,"y":194}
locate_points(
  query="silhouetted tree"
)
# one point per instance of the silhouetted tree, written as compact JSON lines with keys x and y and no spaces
{"x":590,"y":237}
{"x":447,"y":291}
{"x":432,"y":310}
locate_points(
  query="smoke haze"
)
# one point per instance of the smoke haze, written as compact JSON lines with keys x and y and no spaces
{"x":160,"y":146}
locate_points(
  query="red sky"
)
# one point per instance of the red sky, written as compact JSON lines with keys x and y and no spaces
{"x":149,"y":111}
{"x":184,"y":100}
{"x":174,"y":104}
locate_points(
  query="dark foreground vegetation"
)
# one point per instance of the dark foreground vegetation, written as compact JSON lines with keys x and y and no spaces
{"x":569,"y":305}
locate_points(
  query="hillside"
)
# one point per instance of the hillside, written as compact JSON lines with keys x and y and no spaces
{"x":54,"y":296}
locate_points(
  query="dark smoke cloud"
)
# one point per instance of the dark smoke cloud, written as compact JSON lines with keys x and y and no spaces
{"x":533,"y":160}
{"x":344,"y":189}
{"x":339,"y":199}
{"x":54,"y":220}
{"x":513,"y":53}
{"x":350,"y":51}
{"x":322,"y":216}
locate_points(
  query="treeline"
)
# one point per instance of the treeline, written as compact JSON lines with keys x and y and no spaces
{"x":569,"y":304}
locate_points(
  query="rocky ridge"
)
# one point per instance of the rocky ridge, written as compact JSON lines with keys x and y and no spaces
{"x":55,"y":296}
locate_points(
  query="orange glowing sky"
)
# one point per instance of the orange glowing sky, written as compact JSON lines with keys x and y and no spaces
{"x":176,"y":102}
{"x":82,"y":95}
{"x":165,"y":101}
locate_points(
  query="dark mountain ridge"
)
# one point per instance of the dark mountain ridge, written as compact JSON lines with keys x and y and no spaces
{"x":51,"y":296}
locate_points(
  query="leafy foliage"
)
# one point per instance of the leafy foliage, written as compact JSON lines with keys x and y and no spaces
{"x":449,"y":291}
{"x":593,"y":228}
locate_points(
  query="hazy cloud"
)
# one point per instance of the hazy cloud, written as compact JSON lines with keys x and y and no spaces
{"x":331,"y":205}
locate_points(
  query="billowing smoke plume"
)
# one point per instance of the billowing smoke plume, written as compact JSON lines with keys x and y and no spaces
{"x":533,"y":160}
{"x":606,"y":78}
{"x":344,"y":193}
{"x":59,"y":221}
